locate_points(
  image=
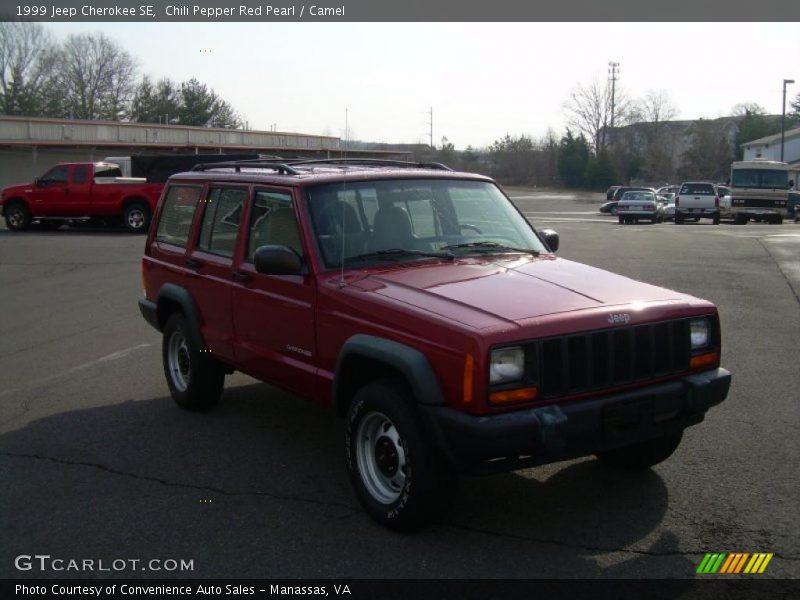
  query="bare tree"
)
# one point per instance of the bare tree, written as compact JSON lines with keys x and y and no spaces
{"x":96,"y":77}
{"x":656,"y":107}
{"x":589,"y":110}
{"x":27,"y":59}
{"x":655,"y":110}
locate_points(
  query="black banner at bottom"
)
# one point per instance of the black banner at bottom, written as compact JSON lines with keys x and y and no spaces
{"x":384,"y":589}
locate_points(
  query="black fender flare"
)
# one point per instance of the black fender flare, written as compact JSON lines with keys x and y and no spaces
{"x":410,"y":362}
{"x":180,"y":296}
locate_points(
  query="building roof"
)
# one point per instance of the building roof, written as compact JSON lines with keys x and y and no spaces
{"x":791,"y":133}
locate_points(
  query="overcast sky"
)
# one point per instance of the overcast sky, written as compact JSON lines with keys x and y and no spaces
{"x":483,"y":80}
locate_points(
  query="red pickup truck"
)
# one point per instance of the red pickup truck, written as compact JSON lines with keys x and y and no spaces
{"x":79,"y":192}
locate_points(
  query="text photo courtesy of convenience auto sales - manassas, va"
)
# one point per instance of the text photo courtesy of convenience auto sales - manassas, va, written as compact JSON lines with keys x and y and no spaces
{"x":358,"y":307}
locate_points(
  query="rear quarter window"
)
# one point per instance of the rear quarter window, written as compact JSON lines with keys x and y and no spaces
{"x":177,"y":213}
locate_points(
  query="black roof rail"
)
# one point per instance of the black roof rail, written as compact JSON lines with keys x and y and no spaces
{"x":255,"y":163}
{"x":377,"y":162}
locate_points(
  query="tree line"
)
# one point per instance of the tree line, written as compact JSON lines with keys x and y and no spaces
{"x":645,"y":144}
{"x":90,"y":76}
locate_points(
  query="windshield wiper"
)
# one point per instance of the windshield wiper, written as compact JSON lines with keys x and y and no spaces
{"x":398,"y":254}
{"x":491,"y":247}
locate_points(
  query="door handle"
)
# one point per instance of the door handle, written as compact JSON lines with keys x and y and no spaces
{"x":241,"y":276}
{"x":193,"y":263}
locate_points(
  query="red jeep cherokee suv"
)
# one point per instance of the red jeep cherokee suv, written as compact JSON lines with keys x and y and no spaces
{"x":426,"y":310}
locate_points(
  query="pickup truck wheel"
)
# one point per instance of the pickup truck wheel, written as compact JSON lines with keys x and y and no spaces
{"x":678,"y":220}
{"x":18,"y":217}
{"x":136,"y":217}
{"x":398,"y":479}
{"x":716,"y":220}
{"x":643,"y":455}
{"x":195,"y":381}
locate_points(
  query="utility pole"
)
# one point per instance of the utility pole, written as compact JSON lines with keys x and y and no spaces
{"x":783,"y":113}
{"x":431,"y":124}
{"x":613,"y":71}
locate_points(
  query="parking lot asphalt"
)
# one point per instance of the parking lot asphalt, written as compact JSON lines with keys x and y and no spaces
{"x":97,"y":462}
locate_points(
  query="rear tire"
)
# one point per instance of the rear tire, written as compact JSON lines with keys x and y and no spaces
{"x":642,"y":455}
{"x":739,"y":220}
{"x":18,"y":217}
{"x":136,"y":217}
{"x":398,"y":477}
{"x":195,"y":381}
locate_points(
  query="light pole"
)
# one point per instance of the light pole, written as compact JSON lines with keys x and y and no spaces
{"x":783,"y":113}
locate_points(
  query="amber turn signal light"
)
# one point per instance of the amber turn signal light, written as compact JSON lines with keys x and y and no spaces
{"x":512,"y":396}
{"x":704,"y":360}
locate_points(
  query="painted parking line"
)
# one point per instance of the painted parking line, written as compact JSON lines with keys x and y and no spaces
{"x":71,"y":371}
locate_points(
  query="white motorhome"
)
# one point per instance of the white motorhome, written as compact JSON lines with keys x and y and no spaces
{"x":759,"y":190}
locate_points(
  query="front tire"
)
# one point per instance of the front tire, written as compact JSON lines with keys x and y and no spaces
{"x":18,"y":217}
{"x":136,"y":217}
{"x":644,"y":454}
{"x":397,"y":476}
{"x":195,"y":381}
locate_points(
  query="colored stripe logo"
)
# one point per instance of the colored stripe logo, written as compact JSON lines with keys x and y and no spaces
{"x":734,"y":563}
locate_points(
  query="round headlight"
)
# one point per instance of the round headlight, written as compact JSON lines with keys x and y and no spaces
{"x":699,"y":331}
{"x":507,"y":365}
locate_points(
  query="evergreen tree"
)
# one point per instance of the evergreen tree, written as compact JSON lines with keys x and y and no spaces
{"x":573,"y":158}
{"x":754,"y":125}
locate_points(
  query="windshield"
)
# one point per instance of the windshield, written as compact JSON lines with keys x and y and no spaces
{"x":374,"y":222}
{"x":760,"y":178}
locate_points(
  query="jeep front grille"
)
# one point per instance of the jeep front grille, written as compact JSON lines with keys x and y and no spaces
{"x":587,"y":362}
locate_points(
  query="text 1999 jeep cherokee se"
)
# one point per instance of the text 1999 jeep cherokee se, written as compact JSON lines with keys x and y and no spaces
{"x":424,"y":308}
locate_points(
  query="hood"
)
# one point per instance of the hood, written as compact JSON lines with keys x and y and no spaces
{"x":479,"y":292}
{"x":16,"y":189}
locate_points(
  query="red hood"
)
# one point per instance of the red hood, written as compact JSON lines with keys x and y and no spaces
{"x":477,"y":292}
{"x":16,"y":188}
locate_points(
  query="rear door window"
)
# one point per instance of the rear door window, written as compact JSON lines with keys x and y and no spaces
{"x":224,"y":207}
{"x":177,"y":213}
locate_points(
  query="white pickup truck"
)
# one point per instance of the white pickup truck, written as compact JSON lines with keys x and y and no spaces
{"x":696,"y":200}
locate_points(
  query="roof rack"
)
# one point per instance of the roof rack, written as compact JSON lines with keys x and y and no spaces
{"x":377,"y":162}
{"x":254,"y":163}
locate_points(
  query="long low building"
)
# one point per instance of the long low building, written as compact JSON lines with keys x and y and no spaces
{"x":28,"y":146}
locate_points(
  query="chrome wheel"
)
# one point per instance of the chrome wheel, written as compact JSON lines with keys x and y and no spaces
{"x":381,"y":457}
{"x":136,"y":218}
{"x":179,"y":361}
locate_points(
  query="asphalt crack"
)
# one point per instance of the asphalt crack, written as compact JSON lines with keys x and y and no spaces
{"x":354,"y":509}
{"x":175,"y":484}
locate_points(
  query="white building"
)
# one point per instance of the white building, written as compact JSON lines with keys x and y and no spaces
{"x":770,"y":147}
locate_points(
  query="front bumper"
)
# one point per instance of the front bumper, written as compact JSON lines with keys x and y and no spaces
{"x":557,"y":432}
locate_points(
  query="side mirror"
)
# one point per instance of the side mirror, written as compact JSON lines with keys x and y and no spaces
{"x":277,"y":260}
{"x":550,"y":238}
{"x":37,"y":182}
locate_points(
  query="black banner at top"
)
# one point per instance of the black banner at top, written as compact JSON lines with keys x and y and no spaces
{"x":222,"y":11}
